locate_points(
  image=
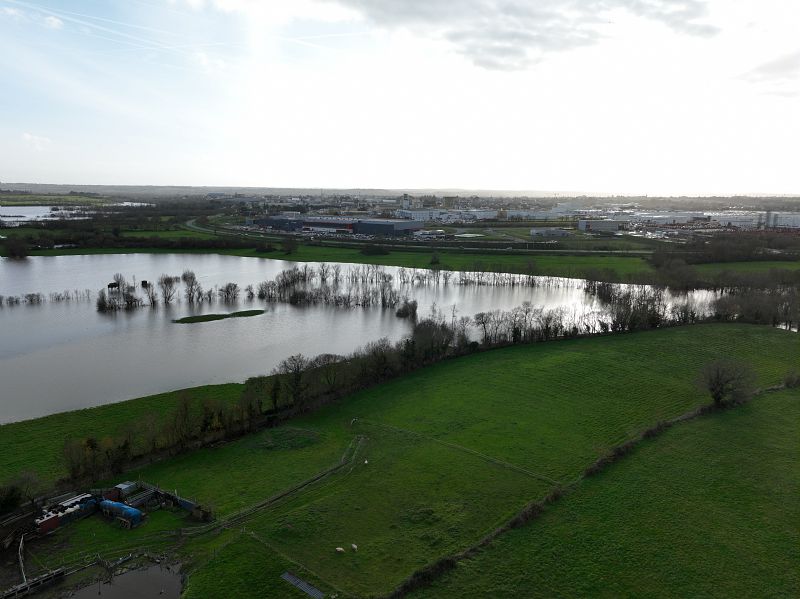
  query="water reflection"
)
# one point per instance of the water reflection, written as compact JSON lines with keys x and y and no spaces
{"x":60,"y":356}
{"x":155,"y":581}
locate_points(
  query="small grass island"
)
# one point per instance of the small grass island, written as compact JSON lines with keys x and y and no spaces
{"x":210,"y":317}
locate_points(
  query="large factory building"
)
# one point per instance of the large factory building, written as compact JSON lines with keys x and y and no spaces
{"x":338,"y":225}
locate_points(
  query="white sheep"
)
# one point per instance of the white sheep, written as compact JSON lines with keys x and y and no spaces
{"x":340,"y":550}
{"x":354,"y":546}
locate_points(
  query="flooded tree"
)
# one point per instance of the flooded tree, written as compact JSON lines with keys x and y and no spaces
{"x":167,"y":285}
{"x":229,"y":292}
{"x":192,"y":287}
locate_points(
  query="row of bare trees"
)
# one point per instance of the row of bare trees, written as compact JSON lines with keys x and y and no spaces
{"x":300,"y":384}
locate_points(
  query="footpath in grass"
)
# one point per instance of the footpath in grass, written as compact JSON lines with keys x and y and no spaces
{"x":236,"y":475}
{"x":709,"y":509}
{"x":404,"y":503}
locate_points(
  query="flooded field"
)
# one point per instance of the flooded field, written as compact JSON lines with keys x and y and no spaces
{"x":64,"y":355}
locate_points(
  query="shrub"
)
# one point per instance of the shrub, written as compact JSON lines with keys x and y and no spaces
{"x":408,"y":309}
{"x":10,"y":498}
{"x":792,"y":379}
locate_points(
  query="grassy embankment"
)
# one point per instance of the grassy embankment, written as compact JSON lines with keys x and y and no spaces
{"x":549,"y":263}
{"x":709,"y":509}
{"x":544,"y":264}
{"x":210,"y":317}
{"x":449,"y":453}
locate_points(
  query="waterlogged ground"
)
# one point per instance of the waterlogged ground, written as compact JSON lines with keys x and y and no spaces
{"x":59,"y":356}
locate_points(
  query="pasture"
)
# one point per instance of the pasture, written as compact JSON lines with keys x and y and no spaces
{"x":709,"y":509}
{"x":435,"y":460}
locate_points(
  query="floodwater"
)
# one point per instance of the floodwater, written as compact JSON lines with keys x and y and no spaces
{"x":17,"y":215}
{"x":157,"y":581}
{"x":59,"y":356}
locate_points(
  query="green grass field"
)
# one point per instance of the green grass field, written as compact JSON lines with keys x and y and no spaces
{"x":446,"y":454}
{"x":36,"y":444}
{"x":211,"y":317}
{"x":710,"y":509}
{"x":544,"y":264}
{"x":169,"y":234}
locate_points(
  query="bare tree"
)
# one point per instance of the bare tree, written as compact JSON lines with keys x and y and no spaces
{"x":152,"y":295}
{"x":167,"y":285}
{"x":192,"y":290}
{"x":29,"y":485}
{"x":293,"y":368}
{"x":119,"y":279}
{"x":727,"y":381}
{"x":229,"y":292}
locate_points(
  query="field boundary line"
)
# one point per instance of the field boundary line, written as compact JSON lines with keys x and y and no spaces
{"x":425,"y":576}
{"x":483,"y":456}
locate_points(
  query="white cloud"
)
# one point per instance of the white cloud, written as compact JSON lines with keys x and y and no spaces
{"x":778,"y":77}
{"x":52,"y":22}
{"x":208,"y":62}
{"x":786,"y":67}
{"x":13,"y":13}
{"x":512,"y":34}
{"x":37,"y":143}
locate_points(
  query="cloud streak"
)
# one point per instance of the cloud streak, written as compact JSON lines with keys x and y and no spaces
{"x":513,"y":34}
{"x":52,"y":22}
{"x":783,"y":68}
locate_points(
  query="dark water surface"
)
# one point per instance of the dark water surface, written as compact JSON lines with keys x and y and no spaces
{"x":155,"y":581}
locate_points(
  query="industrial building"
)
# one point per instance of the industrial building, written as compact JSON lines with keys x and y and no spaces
{"x":341,"y":225}
{"x":602,"y":226}
{"x":447,"y":216}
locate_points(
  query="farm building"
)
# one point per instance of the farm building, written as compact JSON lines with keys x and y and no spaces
{"x":65,"y":512}
{"x":129,"y":516}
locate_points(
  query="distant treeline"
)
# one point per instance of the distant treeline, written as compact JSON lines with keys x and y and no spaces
{"x":732,"y":247}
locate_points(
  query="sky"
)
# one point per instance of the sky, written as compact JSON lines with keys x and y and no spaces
{"x":659,"y":97}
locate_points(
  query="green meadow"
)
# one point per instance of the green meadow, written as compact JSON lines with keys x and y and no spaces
{"x":435,"y":460}
{"x":709,"y":509}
